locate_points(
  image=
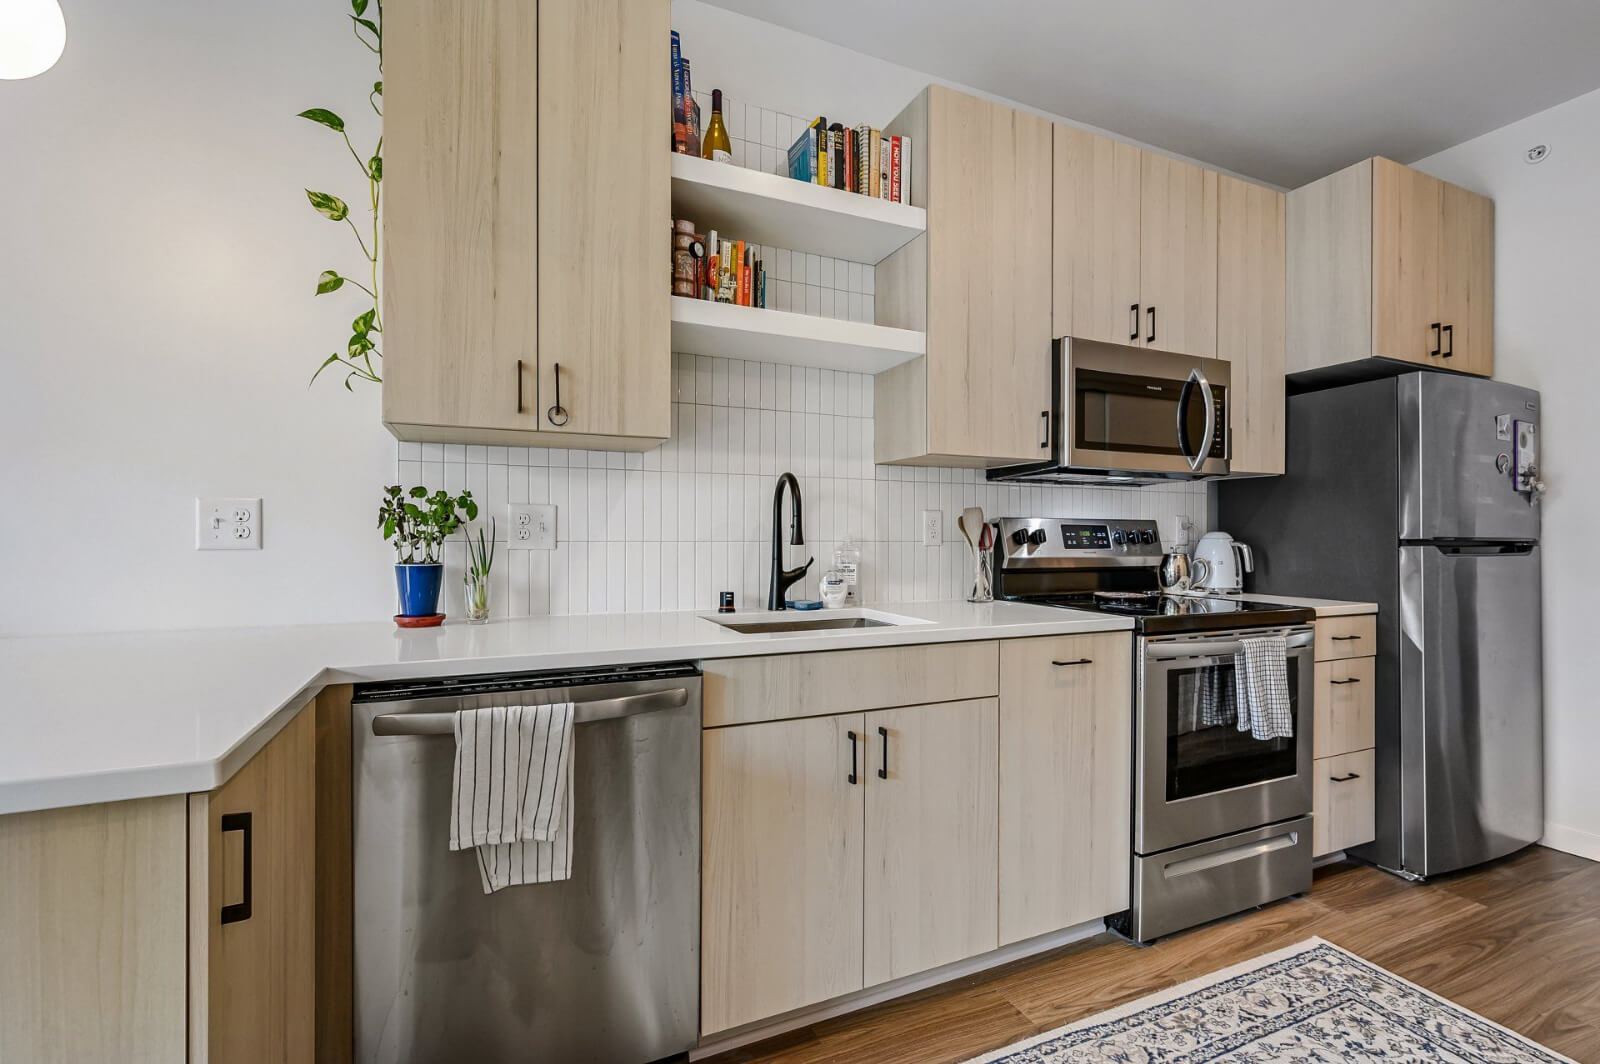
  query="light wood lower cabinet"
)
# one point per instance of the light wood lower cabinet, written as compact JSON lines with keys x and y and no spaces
{"x":1342,"y":797}
{"x":252,"y":906}
{"x":92,"y":933}
{"x":1345,"y":706}
{"x":1065,"y":763}
{"x":781,"y":867}
{"x":930,"y":839}
{"x":1355,"y":636}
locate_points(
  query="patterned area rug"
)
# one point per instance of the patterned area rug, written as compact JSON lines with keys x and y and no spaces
{"x":1312,"y":1003}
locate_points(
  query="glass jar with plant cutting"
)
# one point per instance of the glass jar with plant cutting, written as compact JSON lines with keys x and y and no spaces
{"x":480,"y":559}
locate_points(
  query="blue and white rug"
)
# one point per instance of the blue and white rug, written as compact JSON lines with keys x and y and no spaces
{"x":1312,"y":1003}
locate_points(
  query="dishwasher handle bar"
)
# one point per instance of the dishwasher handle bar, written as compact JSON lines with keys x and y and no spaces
{"x":583,"y":713}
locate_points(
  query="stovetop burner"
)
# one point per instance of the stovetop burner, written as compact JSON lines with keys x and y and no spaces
{"x":1156,"y":612}
{"x":1127,"y":596}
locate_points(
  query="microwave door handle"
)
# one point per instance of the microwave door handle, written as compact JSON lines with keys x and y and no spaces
{"x":1200,"y":456}
{"x":1183,"y":420}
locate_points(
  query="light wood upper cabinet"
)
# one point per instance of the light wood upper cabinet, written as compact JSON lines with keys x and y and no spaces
{"x":930,"y":839}
{"x":605,"y":214}
{"x":252,"y":906}
{"x":526,"y":202}
{"x":1135,"y":246}
{"x":1250,"y":307}
{"x":1096,"y":236}
{"x":1466,"y":279}
{"x":1387,"y":261}
{"x":978,"y":282}
{"x":781,"y":867}
{"x":1065,"y":741}
{"x":1178,"y":255}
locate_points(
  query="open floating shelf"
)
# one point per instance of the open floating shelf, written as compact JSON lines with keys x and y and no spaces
{"x":704,"y":327}
{"x":767,"y":209}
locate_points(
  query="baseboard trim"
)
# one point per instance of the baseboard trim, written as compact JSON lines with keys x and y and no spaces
{"x":1571,"y":840}
{"x":874,"y":995}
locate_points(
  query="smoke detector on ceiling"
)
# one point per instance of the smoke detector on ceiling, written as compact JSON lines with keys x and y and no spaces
{"x":1537,"y":154}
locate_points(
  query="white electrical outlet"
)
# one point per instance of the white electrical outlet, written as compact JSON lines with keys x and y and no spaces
{"x":227,"y":524}
{"x":533,"y":526}
{"x":932,"y":532}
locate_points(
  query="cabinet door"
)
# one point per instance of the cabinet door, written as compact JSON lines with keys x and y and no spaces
{"x":1178,"y":255}
{"x":1250,"y":308}
{"x":1406,"y":211}
{"x":460,"y":310}
{"x":605,"y":215}
{"x":988,"y":263}
{"x":781,"y":867}
{"x":252,"y":915}
{"x":1345,"y":706}
{"x":930,"y":837}
{"x":1466,"y":280}
{"x":1066,"y":731}
{"x":1342,"y":802}
{"x":1096,"y":237}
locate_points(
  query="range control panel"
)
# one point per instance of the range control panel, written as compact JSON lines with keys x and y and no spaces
{"x":1071,"y":540}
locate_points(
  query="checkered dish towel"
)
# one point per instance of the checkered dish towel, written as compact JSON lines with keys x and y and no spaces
{"x":1261,"y":679}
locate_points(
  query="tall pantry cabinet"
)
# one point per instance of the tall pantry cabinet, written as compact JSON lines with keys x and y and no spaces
{"x":527,"y":203}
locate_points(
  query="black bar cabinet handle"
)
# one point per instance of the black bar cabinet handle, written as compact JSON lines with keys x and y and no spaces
{"x":232,"y":914}
{"x":519,"y":385}
{"x":1450,"y":336}
{"x":557,"y":413}
{"x":1344,"y":779}
{"x":1341,"y":683}
{"x":1133,"y":312}
{"x":883,"y":771}
{"x":1152,"y":337}
{"x":852,"y":777}
{"x":1438,"y":340}
{"x":1078,"y":661}
{"x":1044,"y":438}
{"x":1344,"y":638}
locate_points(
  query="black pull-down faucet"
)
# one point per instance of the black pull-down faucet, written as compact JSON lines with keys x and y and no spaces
{"x":781,"y":577}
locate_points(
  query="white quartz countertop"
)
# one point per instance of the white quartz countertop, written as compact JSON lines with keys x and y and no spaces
{"x":102,"y":718}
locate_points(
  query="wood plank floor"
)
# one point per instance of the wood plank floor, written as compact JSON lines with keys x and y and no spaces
{"x":1517,"y":941}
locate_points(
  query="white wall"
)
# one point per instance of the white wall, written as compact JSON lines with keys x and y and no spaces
{"x":157,"y":327}
{"x":1547,"y":275}
{"x":157,"y":259}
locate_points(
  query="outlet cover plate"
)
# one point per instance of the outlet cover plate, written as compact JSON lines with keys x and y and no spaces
{"x":532,"y":526}
{"x":227,"y":524}
{"x":932,"y":529}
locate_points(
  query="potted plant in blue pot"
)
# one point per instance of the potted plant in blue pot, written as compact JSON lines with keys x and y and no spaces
{"x":419,"y":523}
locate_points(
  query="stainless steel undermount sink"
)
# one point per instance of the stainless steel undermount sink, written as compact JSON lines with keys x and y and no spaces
{"x":796,"y":622}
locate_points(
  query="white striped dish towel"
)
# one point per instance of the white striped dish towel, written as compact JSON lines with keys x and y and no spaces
{"x":1261,"y":677}
{"x":512,"y":792}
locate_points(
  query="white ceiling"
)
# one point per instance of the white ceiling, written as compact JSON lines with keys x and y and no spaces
{"x":1281,"y":90}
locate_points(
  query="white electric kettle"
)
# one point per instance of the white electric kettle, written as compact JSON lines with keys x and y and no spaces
{"x":1226,"y":560}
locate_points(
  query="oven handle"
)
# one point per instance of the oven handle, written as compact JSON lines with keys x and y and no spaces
{"x":582,"y":713}
{"x":1232,"y":854}
{"x":1205,"y":649}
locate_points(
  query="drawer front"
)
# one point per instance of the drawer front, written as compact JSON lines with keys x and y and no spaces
{"x":1346,"y":637}
{"x":1343,"y":802}
{"x":787,"y":686}
{"x":1344,"y":706}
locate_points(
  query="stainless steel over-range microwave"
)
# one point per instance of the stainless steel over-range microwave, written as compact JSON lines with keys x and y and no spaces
{"x":1131,"y":415}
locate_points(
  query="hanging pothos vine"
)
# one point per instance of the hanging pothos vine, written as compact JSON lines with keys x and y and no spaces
{"x":357,"y":357}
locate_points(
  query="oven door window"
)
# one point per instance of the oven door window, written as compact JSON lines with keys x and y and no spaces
{"x":1206,"y":751}
{"x":1135,"y":415}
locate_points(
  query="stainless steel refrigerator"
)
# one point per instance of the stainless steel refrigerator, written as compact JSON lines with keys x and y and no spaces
{"x":1420,"y":493}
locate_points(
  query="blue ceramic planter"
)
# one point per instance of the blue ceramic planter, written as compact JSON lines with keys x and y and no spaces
{"x":419,"y":589}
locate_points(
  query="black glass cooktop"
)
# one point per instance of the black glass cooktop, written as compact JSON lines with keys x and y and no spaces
{"x":1154,"y":612}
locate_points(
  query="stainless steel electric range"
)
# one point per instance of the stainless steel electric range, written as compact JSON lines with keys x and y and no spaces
{"x":1221,"y":820}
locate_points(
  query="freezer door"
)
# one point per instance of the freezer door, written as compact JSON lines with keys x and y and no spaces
{"x":1471,"y":705}
{"x":1458,"y":458}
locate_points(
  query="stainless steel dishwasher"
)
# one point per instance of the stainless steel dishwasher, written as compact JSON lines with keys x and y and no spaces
{"x":601,"y":967}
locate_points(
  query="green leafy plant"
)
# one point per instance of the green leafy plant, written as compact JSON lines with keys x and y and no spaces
{"x":419,"y":523}
{"x":480,"y":559}
{"x":357,"y":359}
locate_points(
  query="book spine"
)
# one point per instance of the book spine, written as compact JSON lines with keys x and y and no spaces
{"x":894,"y":170}
{"x":738,"y":273}
{"x":744,"y":284}
{"x":725,"y":273}
{"x":822,"y":155}
{"x":680,"y":128}
{"x":905,"y":170}
{"x":836,"y":158}
{"x":874,"y":153}
{"x":883,"y":166}
{"x":691,"y":113}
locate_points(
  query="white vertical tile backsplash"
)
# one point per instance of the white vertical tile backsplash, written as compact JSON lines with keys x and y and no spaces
{"x":669,"y":529}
